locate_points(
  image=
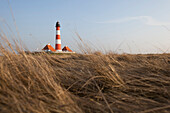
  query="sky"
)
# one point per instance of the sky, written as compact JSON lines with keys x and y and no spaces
{"x":121,"y":26}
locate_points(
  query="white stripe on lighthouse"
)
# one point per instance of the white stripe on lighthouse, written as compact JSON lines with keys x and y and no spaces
{"x":57,"y":32}
{"x":58,"y":41}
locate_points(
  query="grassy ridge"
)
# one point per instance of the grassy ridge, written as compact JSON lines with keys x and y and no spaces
{"x":84,"y":83}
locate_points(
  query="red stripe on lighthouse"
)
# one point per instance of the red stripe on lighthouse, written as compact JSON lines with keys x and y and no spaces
{"x":58,"y":39}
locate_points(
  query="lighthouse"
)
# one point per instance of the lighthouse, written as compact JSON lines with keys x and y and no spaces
{"x":48,"y":48}
{"x":58,"y":39}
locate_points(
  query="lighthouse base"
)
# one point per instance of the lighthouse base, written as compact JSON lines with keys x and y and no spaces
{"x":63,"y":52}
{"x":58,"y":51}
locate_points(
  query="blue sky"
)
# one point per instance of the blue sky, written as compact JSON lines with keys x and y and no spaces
{"x":131,"y":26}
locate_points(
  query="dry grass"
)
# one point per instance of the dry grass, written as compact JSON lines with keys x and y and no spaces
{"x":45,"y":83}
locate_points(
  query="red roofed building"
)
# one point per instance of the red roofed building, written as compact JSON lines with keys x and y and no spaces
{"x":67,"y":49}
{"x":48,"y":47}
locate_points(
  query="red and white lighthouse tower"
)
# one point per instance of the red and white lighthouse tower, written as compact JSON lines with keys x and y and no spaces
{"x":58,"y":39}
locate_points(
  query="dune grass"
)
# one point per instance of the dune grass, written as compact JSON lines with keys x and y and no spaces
{"x":90,"y":83}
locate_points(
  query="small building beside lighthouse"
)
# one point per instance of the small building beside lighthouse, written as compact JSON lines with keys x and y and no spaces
{"x":48,"y":48}
{"x":66,"y":49}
